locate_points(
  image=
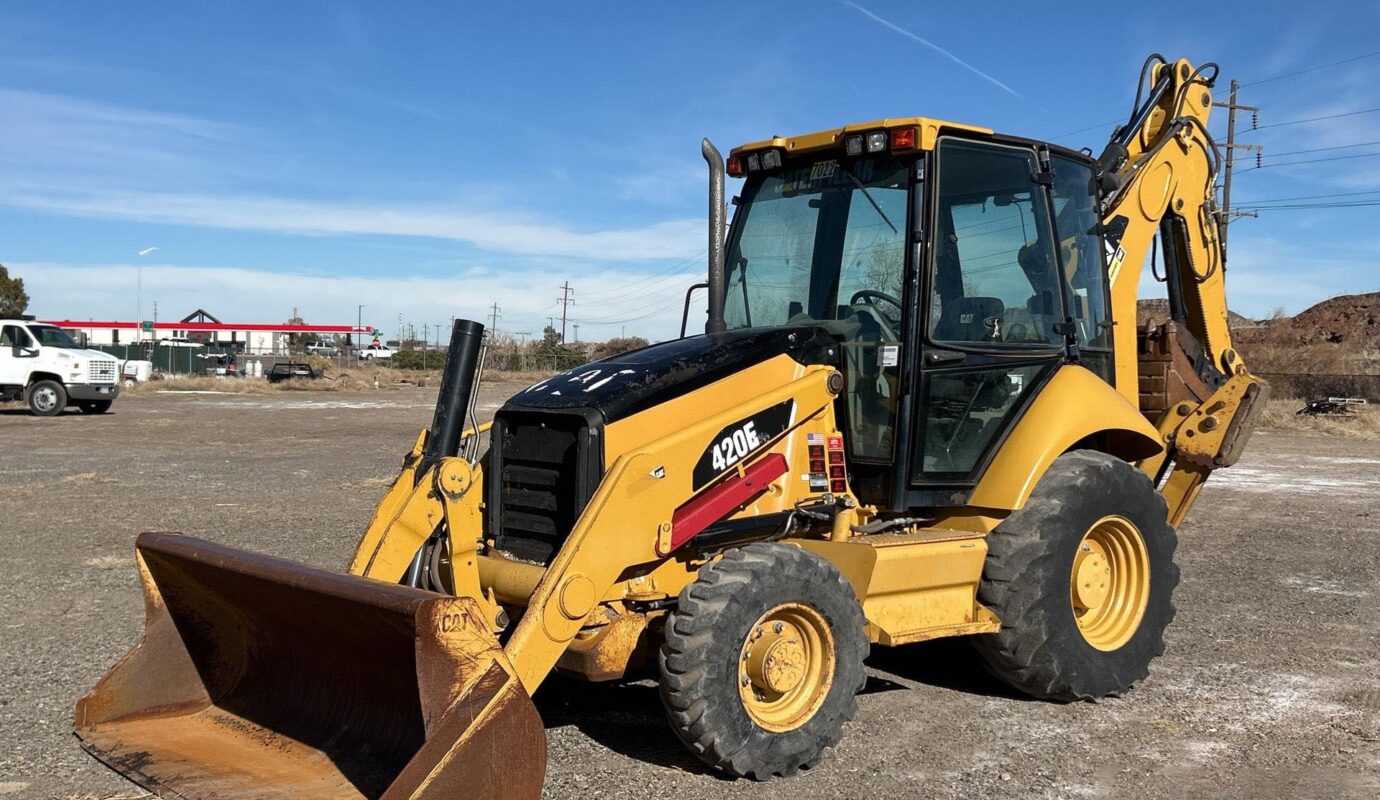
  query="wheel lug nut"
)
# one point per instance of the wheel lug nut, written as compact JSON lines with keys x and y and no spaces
{"x":745,"y":679}
{"x":778,"y":627}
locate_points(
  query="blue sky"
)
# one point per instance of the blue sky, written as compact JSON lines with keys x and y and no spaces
{"x":427,"y":160}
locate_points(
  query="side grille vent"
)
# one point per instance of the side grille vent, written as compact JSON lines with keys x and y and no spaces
{"x":546,"y":466}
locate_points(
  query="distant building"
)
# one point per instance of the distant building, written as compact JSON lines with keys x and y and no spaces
{"x":203,"y":329}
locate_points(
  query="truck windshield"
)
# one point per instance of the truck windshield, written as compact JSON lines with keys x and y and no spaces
{"x":49,"y":336}
{"x":817,"y":243}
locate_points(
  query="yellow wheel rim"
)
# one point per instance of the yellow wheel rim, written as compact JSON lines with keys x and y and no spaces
{"x":786,"y":667}
{"x":1109,"y":586}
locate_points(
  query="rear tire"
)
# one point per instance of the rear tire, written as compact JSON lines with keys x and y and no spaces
{"x":763,"y":660}
{"x":94,"y":406}
{"x":46,"y":398}
{"x":1082,"y":579}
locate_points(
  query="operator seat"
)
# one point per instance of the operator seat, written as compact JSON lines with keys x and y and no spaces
{"x":964,"y":319}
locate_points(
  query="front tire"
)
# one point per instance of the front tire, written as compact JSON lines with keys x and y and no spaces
{"x":762,"y":661}
{"x":47,"y":398}
{"x":1082,"y":579}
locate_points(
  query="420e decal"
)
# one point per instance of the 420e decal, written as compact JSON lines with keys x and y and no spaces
{"x":735,"y":442}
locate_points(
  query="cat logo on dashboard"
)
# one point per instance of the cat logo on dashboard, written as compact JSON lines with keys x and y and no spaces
{"x":737,"y":441}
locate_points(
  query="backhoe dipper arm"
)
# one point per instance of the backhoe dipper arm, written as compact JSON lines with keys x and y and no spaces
{"x":1158,"y":174}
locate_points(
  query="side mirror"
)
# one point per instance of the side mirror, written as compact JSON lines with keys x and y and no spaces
{"x":25,"y":352}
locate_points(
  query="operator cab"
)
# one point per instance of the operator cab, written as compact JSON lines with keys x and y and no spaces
{"x":958,"y":269}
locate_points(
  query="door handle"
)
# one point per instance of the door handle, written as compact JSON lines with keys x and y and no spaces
{"x":944,"y":357}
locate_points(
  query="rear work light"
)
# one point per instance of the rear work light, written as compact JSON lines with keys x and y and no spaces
{"x":903,"y":139}
{"x":735,"y":166}
{"x":853,"y":145}
{"x":754,"y":162}
{"x":876,"y":141}
{"x":771,"y":159}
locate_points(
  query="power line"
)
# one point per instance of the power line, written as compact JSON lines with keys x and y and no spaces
{"x":1089,"y":128}
{"x":1314,"y":197}
{"x":1321,"y":149}
{"x":648,"y":291}
{"x":1298,"y":206}
{"x":1311,"y":69}
{"x":1312,"y":161}
{"x":1315,"y":119}
{"x":1242,"y":86}
{"x":610,"y":295}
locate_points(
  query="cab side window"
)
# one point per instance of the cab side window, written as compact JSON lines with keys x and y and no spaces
{"x":15,"y":336}
{"x":1082,"y":253}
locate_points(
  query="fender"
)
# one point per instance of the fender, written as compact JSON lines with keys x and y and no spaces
{"x":1074,"y":405}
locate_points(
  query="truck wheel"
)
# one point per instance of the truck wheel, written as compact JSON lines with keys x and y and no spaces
{"x":762,"y":660}
{"x":47,"y":398}
{"x":1082,"y":579}
{"x":94,"y":406}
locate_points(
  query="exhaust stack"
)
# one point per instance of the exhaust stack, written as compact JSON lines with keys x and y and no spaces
{"x":717,"y":278}
{"x":458,"y":387}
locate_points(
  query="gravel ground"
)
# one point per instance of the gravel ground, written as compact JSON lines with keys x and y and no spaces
{"x":1270,"y":686}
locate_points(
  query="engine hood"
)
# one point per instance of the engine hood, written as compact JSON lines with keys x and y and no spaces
{"x":625,"y":384}
{"x":78,"y":354}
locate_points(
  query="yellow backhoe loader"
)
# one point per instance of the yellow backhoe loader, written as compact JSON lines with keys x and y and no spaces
{"x":921,"y":407}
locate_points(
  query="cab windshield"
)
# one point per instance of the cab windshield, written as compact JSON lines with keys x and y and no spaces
{"x":49,"y":336}
{"x":820,"y":242}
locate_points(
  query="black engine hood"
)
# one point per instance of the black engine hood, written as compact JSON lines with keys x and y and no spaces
{"x":625,"y":384}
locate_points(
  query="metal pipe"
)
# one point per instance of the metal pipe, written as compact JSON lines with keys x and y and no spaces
{"x":457,"y":389}
{"x":717,"y":279}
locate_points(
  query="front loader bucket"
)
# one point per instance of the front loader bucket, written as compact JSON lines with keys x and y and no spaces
{"x":258,"y":677}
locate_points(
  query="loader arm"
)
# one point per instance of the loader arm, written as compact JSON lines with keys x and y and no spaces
{"x":1158,"y":176}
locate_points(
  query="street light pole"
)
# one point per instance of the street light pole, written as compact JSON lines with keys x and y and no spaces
{"x":359,"y":323}
{"x":139,"y":292}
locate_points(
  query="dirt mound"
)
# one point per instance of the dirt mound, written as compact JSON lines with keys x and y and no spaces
{"x":1157,"y":310}
{"x":1348,"y":319}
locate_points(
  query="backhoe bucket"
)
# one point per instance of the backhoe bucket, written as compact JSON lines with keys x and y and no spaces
{"x":258,"y":677}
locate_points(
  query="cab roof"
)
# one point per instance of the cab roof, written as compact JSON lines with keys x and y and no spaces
{"x":928,"y":130}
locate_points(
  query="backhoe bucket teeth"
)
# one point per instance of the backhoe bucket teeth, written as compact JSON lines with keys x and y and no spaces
{"x":258,"y":677}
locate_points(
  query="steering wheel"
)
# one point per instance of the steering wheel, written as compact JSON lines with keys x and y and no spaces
{"x":871,"y":296}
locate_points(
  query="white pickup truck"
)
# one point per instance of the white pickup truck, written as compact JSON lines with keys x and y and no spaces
{"x":43,"y":366}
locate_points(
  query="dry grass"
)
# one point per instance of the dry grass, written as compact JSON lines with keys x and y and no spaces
{"x":1282,"y":414}
{"x":109,"y":562}
{"x":202,"y":384}
{"x":361,"y":378}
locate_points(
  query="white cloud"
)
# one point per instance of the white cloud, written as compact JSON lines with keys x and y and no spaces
{"x":69,"y":156}
{"x":500,"y":232}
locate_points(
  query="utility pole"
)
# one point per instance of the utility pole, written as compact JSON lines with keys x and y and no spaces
{"x":1225,"y":216}
{"x":565,"y":300}
{"x":493,"y":316}
{"x":359,"y":323}
{"x":523,"y":334}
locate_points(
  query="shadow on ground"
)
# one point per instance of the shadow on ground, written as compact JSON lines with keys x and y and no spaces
{"x":628,"y":718}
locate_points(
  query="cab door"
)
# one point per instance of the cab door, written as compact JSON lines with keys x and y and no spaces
{"x":16,"y":352}
{"x":993,"y":307}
